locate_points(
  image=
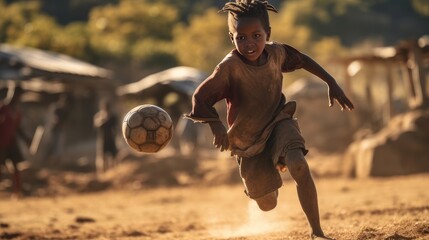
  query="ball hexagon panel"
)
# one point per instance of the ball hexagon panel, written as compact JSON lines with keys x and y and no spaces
{"x":163,"y":135}
{"x":133,"y":144}
{"x":138,"y":135}
{"x":151,"y":123}
{"x":165,"y":119}
{"x":148,"y":110}
{"x":149,"y":147}
{"x":135,"y":120}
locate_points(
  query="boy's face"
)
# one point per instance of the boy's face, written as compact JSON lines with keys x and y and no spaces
{"x":249,"y":38}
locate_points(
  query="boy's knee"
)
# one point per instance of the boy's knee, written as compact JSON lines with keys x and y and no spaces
{"x":296,"y":164}
{"x":267,"y":202}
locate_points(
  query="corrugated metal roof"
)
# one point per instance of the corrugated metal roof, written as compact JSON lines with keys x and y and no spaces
{"x":50,"y":61}
{"x":181,"y":79}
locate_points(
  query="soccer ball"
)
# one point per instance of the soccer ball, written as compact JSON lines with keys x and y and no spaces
{"x":147,"y":128}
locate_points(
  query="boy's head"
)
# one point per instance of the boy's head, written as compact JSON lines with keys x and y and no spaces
{"x":249,"y":27}
{"x":250,"y":9}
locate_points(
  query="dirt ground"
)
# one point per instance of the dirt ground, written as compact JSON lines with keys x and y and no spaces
{"x":199,"y":207}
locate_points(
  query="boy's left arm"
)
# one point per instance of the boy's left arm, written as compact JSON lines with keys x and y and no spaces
{"x":334,"y":91}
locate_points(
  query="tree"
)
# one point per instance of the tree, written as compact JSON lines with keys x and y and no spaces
{"x":357,"y":21}
{"x":23,"y":24}
{"x":133,"y":30}
{"x":204,"y":42}
{"x":18,"y":21}
{"x":288,"y":27}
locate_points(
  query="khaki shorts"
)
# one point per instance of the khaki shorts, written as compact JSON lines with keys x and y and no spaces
{"x":258,"y":172}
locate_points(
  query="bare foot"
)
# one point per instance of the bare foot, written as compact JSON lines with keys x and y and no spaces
{"x":314,"y":237}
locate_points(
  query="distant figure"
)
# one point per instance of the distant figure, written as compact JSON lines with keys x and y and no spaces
{"x":56,"y":126}
{"x":262,"y":132}
{"x":106,"y":123}
{"x":10,"y":121}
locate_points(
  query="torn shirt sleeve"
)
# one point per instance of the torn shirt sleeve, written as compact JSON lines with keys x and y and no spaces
{"x":208,"y":93}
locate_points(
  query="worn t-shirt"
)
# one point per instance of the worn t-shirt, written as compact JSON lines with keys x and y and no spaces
{"x":253,"y":96}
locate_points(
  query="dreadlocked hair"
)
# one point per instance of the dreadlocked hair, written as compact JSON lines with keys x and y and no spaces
{"x":248,"y":8}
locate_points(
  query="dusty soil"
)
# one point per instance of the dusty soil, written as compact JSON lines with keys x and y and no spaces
{"x":393,"y":208}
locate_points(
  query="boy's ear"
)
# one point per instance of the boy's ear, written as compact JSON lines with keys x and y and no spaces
{"x":231,"y":37}
{"x":268,"y":34}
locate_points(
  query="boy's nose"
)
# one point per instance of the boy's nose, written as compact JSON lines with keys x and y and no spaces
{"x":250,"y":43}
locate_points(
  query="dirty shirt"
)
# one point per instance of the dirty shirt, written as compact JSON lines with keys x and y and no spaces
{"x":10,"y":120}
{"x":253,"y":95}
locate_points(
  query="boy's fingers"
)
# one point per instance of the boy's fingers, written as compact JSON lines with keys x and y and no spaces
{"x":216,"y":142}
{"x":341,"y":103}
{"x":331,"y":102}
{"x":346,"y":103}
{"x":350,"y":105}
{"x":225,"y":143}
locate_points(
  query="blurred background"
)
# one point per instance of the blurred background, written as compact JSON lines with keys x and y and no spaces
{"x":132,"y":52}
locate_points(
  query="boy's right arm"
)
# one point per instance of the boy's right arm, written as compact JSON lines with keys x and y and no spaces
{"x":212,"y":90}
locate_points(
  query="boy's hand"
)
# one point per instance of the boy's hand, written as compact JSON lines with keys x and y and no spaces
{"x":220,"y":135}
{"x":337,"y":94}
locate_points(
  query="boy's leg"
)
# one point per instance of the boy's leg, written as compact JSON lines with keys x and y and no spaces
{"x":268,"y":202}
{"x":261,"y":180}
{"x":307,"y":194}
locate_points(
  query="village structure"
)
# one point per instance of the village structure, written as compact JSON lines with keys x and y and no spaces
{"x":48,"y":80}
{"x":396,"y":140}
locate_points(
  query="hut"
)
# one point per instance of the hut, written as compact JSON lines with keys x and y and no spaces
{"x":397,"y":136}
{"x":47,"y":77}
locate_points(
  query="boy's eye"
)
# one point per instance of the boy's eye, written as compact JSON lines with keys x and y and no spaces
{"x":240,"y":37}
{"x":257,"y":35}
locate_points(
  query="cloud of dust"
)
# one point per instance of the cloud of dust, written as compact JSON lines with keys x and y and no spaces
{"x":255,"y":223}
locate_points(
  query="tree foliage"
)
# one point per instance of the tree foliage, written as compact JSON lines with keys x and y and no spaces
{"x":23,"y":24}
{"x":204,"y":42}
{"x":129,"y":30}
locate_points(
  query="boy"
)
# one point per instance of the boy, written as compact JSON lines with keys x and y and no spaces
{"x":262,"y":134}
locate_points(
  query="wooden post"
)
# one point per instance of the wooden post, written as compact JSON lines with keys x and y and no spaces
{"x":347,"y":80}
{"x":353,"y":117}
{"x":369,"y":74}
{"x":389,"y":111}
{"x":418,"y":74}
{"x":407,"y":77}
